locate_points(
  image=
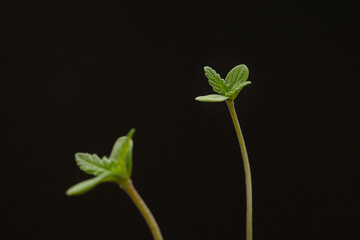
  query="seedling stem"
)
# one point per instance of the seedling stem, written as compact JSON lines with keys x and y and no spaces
{"x":144,"y":210}
{"x":249,"y":228}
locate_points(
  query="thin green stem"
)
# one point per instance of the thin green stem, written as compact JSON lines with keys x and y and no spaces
{"x":144,"y":210}
{"x":249,"y":227}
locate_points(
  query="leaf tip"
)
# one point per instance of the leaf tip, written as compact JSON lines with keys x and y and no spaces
{"x":70,"y":192}
{"x":208,"y":69}
{"x":131,"y":133}
{"x":243,"y":65}
{"x":79,"y":154}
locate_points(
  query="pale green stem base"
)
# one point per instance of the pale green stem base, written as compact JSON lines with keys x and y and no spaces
{"x":249,"y":220}
{"x":144,"y":210}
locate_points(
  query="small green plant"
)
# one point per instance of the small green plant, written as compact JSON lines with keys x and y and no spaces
{"x":116,"y":168}
{"x":228,"y":90}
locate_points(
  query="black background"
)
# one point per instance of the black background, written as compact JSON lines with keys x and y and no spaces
{"x":77,"y":75}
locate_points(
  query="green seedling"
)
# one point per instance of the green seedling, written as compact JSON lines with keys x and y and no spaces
{"x":116,"y":168}
{"x":228,"y":90}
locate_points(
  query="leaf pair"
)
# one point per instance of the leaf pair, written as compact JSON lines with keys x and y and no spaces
{"x":116,"y":168}
{"x":229,"y":88}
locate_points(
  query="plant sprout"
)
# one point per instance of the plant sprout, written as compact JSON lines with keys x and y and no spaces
{"x":228,"y":90}
{"x":116,"y":168}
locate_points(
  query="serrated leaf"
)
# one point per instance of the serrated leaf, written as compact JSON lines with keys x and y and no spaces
{"x":237,"y":75}
{"x":212,"y":98}
{"x":236,"y":89}
{"x":215,"y":80}
{"x":89,"y":184}
{"x":92,"y":164}
{"x":121,"y":154}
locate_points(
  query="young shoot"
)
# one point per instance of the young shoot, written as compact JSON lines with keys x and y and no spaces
{"x":228,"y":90}
{"x":116,"y":168}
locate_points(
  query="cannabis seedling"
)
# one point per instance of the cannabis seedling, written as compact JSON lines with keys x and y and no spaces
{"x":116,"y":168}
{"x":228,"y":90}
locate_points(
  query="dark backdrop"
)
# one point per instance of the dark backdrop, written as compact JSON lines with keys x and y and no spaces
{"x":79,"y":74}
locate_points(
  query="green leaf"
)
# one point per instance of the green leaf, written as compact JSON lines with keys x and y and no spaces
{"x":121,"y":154}
{"x":212,"y":98}
{"x":92,"y":164}
{"x":127,"y":152}
{"x":236,"y":89}
{"x":237,"y":75}
{"x":215,"y":81}
{"x":89,"y":184}
{"x":117,"y":168}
